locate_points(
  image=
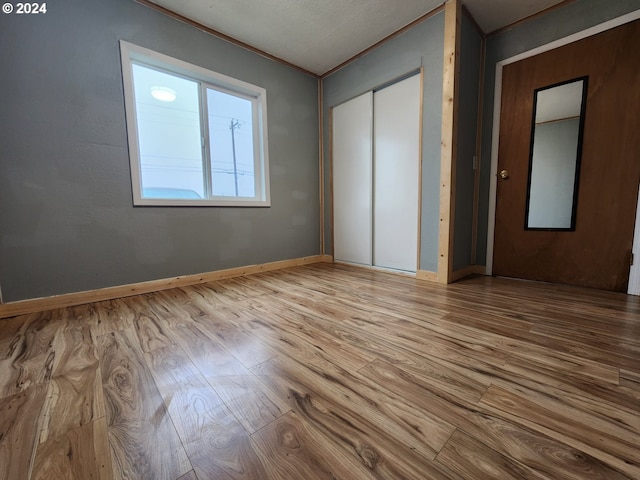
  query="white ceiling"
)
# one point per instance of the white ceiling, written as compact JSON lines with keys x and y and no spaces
{"x":318,"y":35}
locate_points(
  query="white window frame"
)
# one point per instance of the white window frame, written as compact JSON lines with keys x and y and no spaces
{"x":131,"y":54}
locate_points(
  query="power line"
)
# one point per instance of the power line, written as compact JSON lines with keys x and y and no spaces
{"x":232,"y":126}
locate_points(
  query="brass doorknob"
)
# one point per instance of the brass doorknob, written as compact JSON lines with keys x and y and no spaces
{"x":504,"y":174}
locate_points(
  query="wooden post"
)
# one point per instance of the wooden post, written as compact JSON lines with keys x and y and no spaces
{"x":451,"y":69}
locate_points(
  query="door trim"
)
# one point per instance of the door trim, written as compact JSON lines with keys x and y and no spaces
{"x":497,"y":99}
{"x":634,"y":271}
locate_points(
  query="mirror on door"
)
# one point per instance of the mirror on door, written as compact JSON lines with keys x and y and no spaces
{"x":554,"y":158}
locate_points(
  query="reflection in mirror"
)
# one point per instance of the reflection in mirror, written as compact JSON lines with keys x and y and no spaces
{"x":554,"y":164}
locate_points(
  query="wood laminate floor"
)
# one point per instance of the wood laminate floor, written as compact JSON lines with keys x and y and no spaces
{"x":326,"y":372}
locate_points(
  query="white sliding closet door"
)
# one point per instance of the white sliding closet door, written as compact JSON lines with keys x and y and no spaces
{"x":352,"y":180}
{"x":396,"y":138}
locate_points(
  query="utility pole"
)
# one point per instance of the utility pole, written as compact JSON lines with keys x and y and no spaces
{"x":234,"y":124}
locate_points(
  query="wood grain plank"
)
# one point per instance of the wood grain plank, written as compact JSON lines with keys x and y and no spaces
{"x":323,"y":364}
{"x":211,"y":358}
{"x":167,"y":307}
{"x":373,"y":369}
{"x":291,"y":449}
{"x":610,"y":443}
{"x":443,"y":363}
{"x":216,"y":443}
{"x":535,"y":449}
{"x":286,"y":313}
{"x":494,"y":319}
{"x":189,"y":476}
{"x":388,"y":441}
{"x":74,"y":395}
{"x":444,"y":341}
{"x":144,"y":443}
{"x":212,"y":295}
{"x":250,"y":401}
{"x":365,"y":346}
{"x":553,"y":355}
{"x":149,"y":328}
{"x":230,"y":291}
{"x":182,"y":302}
{"x":603,"y":416}
{"x":491,"y":347}
{"x":78,"y":454}
{"x":470,"y":458}
{"x":262,"y":320}
{"x":312,"y":351}
{"x":242,"y":288}
{"x":30,"y":357}
{"x":244,"y":347}
{"x":112,"y":315}
{"x":528,"y":371}
{"x":613,"y":351}
{"x":631,"y":380}
{"x":566,"y":368}
{"x":19,"y":426}
{"x":578,"y":332}
{"x":10,"y":331}
{"x":253,"y":405}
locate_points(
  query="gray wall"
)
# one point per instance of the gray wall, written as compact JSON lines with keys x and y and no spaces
{"x":557,"y":24}
{"x":422,"y":45}
{"x":470,"y":70}
{"x":67,"y":222}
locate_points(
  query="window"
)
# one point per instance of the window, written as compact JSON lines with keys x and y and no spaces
{"x":196,"y":137}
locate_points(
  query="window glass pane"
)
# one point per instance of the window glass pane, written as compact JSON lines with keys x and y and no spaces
{"x":231,"y":145}
{"x":169,"y":136}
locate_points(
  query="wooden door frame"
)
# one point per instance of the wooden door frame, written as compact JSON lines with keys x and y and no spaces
{"x":497,"y":100}
{"x":634,"y":273}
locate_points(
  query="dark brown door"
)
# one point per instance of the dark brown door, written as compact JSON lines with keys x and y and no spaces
{"x":597,"y":253}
